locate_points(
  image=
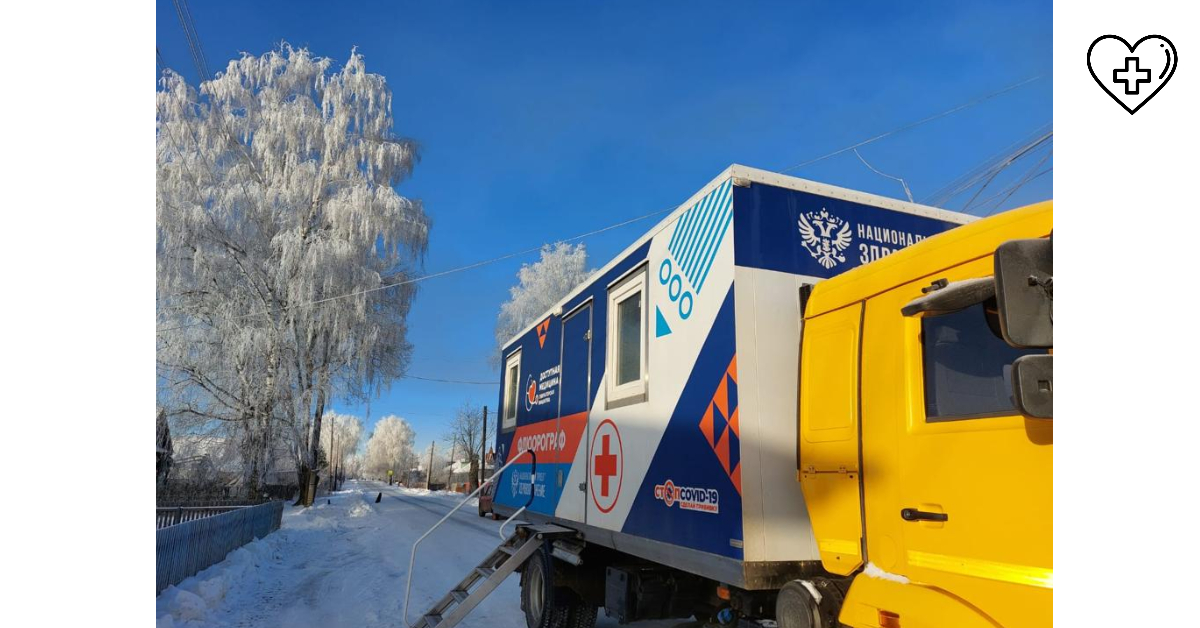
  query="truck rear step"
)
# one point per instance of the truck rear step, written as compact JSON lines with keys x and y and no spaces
{"x":484,"y":578}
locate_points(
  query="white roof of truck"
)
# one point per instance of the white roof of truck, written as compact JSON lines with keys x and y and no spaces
{"x":755,"y":175}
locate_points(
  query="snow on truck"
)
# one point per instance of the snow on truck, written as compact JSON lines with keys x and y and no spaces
{"x":787,"y":401}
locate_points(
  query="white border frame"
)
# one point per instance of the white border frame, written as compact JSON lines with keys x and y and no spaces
{"x":505,"y":424}
{"x":636,"y":282}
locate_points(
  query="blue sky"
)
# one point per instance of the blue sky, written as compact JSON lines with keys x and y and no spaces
{"x":540,"y":121}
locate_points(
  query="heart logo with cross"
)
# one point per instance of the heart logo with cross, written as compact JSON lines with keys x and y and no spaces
{"x":1132,"y":75}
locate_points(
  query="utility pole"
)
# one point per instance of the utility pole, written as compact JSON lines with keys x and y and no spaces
{"x":337,"y":459}
{"x":483,"y":450}
{"x":332,"y":463}
{"x":429,"y":472}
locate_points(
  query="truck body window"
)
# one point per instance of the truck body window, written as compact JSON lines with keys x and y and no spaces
{"x":629,"y":341}
{"x":626,"y":363}
{"x":968,"y":366}
{"x":512,"y":382}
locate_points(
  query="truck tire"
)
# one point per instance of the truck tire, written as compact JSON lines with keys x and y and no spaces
{"x":546,"y":606}
{"x":582,"y":616}
{"x":537,"y":594}
{"x":797,"y":607}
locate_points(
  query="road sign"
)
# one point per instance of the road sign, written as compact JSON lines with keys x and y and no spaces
{"x":389,"y":472}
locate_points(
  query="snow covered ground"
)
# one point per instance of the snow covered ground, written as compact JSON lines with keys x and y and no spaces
{"x":344,"y":564}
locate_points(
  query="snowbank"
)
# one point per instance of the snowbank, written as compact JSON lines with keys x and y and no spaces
{"x":343,"y":564}
{"x":188,"y":604}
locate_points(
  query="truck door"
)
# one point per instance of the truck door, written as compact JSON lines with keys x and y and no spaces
{"x":574,"y":401}
{"x":829,"y":429}
{"x":974,"y":500}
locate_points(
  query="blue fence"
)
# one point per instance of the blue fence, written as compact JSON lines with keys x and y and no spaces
{"x":186,"y":548}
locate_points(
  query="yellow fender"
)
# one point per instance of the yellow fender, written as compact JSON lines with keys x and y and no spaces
{"x":907,"y":605}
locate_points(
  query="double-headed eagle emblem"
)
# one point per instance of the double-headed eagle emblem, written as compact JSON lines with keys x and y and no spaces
{"x":825,"y":236}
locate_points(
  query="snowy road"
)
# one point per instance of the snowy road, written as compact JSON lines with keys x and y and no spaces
{"x":344,"y":564}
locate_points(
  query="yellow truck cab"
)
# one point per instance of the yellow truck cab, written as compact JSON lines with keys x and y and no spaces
{"x":925,"y":440}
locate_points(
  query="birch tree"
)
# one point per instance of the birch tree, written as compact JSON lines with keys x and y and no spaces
{"x":283,"y":245}
{"x":390,"y":447}
{"x":465,"y":438}
{"x":354,"y":465}
{"x":561,"y":267}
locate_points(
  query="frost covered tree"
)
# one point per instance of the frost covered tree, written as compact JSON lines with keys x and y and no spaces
{"x":465,"y":437}
{"x":390,"y":447}
{"x":560,"y":269}
{"x":275,"y":199}
{"x":339,"y":441}
{"x":354,"y":465}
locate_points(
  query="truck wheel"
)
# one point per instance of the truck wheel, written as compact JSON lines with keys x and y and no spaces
{"x":582,"y":616}
{"x":537,"y":594}
{"x":797,"y":607}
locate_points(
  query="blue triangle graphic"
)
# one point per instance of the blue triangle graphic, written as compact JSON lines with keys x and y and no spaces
{"x":720,"y":422}
{"x":661,"y":328}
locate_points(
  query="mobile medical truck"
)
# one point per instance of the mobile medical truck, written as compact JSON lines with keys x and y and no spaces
{"x":792,"y":402}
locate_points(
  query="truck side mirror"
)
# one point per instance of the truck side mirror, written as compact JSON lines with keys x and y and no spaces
{"x":1025,"y":300}
{"x":1033,"y":386}
{"x":1025,"y":292}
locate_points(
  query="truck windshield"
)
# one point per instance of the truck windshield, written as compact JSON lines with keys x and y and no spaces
{"x":968,"y":366}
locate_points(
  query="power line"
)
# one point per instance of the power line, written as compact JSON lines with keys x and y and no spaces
{"x":443,"y":273}
{"x":969,"y":178}
{"x":913,"y":125}
{"x":193,"y":38}
{"x":527,"y":251}
{"x":1001,"y":167}
{"x":1012,"y":189}
{"x":449,"y":381}
{"x":488,"y":261}
{"x":884,"y":174}
{"x":1029,"y":176}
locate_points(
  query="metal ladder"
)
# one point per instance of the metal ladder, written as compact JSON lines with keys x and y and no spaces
{"x":483,"y":579}
{"x":488,"y":575}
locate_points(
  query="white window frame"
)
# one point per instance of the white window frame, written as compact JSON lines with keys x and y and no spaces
{"x":637,"y":390}
{"x":506,"y":422}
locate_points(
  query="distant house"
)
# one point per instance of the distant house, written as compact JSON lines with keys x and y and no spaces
{"x":460,"y":475}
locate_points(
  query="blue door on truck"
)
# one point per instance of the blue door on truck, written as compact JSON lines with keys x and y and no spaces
{"x":574,"y":401}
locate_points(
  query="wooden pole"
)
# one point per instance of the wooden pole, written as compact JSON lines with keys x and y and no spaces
{"x":429,"y":472}
{"x":483,"y":450}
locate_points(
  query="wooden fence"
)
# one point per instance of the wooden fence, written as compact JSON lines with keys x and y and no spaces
{"x":184,"y":549}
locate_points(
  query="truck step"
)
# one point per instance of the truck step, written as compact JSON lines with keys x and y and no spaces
{"x":482,"y":580}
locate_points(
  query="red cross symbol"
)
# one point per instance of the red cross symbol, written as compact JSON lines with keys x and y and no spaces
{"x":607,"y":465}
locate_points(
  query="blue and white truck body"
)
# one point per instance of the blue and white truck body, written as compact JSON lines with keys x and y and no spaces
{"x":660,"y":395}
